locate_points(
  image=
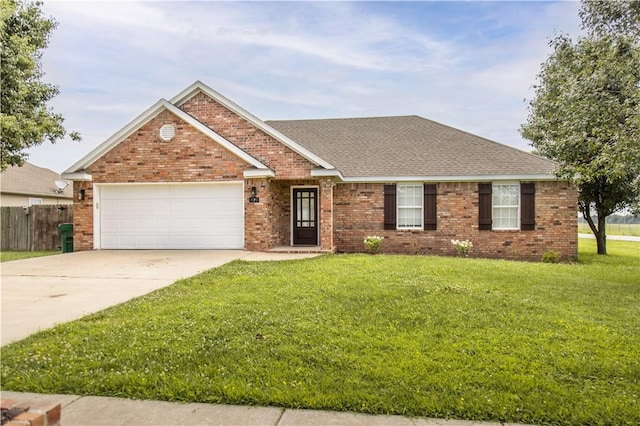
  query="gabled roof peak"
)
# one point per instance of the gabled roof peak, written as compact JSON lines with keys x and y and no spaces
{"x":144,"y":118}
{"x":200,"y":87}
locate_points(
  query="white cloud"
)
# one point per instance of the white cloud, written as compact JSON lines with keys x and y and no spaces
{"x":465,"y":64}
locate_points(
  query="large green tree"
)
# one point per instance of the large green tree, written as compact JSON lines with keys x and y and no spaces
{"x":25,"y":118}
{"x":611,"y":16}
{"x":586,"y":113}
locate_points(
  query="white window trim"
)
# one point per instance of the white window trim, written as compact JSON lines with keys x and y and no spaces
{"x":421,"y":206}
{"x":35,"y":201}
{"x":506,"y":183}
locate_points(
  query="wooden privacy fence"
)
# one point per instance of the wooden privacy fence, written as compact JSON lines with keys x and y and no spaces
{"x":33,"y":228}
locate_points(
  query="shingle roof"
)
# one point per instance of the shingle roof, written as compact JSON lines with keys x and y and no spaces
{"x":408,"y":146}
{"x":32,"y":180}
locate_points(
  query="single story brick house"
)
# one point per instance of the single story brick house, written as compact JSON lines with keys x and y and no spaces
{"x":200,"y":172}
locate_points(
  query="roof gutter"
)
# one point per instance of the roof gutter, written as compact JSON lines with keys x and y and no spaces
{"x":461,"y":178}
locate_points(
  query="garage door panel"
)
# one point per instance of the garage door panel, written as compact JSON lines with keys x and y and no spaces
{"x":172,"y":216}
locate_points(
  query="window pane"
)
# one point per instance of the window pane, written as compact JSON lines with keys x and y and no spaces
{"x":409,"y":196}
{"x":506,"y":195}
{"x":409,"y":205}
{"x":505,"y":217}
{"x":410,"y":218}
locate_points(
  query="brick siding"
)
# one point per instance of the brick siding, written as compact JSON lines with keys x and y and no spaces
{"x":348,"y":212}
{"x":192,"y":157}
{"x":144,"y":157}
{"x":287,"y":163}
{"x":359,"y":211}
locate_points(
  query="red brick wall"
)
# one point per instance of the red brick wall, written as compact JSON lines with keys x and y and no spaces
{"x":326,"y":214}
{"x":192,"y":157}
{"x":35,"y":412}
{"x":275,"y":204}
{"x":83,"y":217}
{"x":143,"y":157}
{"x":260,"y":230}
{"x":353,"y":211}
{"x":189,"y":157}
{"x":277,"y":156}
{"x":359,"y":212}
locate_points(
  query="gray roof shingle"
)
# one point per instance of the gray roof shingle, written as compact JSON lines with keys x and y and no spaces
{"x":408,"y":146}
{"x":32,"y":180}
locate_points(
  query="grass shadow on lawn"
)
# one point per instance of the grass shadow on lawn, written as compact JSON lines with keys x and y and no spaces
{"x":419,"y":336}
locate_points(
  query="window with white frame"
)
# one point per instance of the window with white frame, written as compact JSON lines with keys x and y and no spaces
{"x":409,"y":204}
{"x":35,"y":201}
{"x":505,"y":203}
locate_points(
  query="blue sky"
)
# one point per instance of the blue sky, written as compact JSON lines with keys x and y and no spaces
{"x":466,"y":64}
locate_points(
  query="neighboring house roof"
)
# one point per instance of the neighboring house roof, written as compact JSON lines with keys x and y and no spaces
{"x":411,"y":147}
{"x":30,"y":180}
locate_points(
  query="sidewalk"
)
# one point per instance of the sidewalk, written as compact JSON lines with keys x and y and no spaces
{"x":93,"y":410}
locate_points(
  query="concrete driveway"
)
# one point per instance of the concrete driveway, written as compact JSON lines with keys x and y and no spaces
{"x":40,"y":292}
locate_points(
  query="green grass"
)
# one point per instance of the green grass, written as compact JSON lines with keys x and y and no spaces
{"x":630,"y":229}
{"x":7,"y":256}
{"x":418,"y":336}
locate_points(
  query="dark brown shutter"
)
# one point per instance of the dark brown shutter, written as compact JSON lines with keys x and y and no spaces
{"x":528,"y":206}
{"x":430,"y":210}
{"x":484,"y":206}
{"x":389,"y":207}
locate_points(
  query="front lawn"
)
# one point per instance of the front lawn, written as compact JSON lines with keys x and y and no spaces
{"x":9,"y":255}
{"x":418,"y":336}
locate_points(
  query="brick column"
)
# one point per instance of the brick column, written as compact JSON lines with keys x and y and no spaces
{"x":83,"y":216}
{"x":326,"y":214}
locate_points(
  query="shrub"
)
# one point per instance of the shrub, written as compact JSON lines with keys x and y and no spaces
{"x":464,"y":247}
{"x":551,"y":257}
{"x":373,"y":242}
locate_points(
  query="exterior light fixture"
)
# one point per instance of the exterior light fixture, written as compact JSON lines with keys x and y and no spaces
{"x":81,"y":195}
{"x":253,"y":198}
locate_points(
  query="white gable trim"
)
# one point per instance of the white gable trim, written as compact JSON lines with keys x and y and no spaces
{"x":199,"y":86}
{"x":144,"y":118}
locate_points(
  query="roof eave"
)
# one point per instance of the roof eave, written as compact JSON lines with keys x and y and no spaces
{"x":78,"y":176}
{"x":327,"y":173}
{"x":258,"y":173}
{"x":458,"y":178}
{"x":52,"y":194}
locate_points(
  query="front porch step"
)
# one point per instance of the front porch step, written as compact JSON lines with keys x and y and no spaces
{"x":300,"y":249}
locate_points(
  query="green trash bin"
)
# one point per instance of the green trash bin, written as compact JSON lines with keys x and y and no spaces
{"x":66,"y":237}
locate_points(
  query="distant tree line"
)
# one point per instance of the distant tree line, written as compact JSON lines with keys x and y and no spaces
{"x":616,"y":218}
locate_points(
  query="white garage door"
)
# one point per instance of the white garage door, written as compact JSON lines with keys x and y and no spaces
{"x":171,"y":216}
